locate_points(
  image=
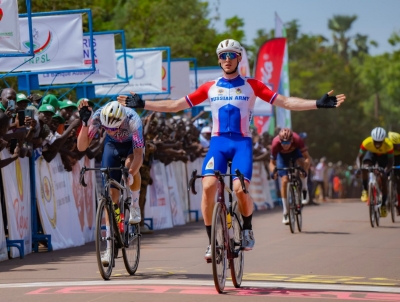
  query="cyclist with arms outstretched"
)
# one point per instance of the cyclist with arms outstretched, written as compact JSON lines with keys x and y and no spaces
{"x":232,"y":99}
{"x":124,"y":139}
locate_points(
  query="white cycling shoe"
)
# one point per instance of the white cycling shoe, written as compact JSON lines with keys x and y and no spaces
{"x":134,"y":216}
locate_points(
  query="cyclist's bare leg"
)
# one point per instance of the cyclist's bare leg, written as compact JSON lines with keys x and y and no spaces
{"x":135,"y":216}
{"x":208,"y":198}
{"x":302,"y":163}
{"x":284,"y":183}
{"x":244,"y":200}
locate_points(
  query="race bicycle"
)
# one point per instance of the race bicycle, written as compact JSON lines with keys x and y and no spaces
{"x":374,"y":194}
{"x":226,"y":232}
{"x":293,"y":200}
{"x":113,"y":233}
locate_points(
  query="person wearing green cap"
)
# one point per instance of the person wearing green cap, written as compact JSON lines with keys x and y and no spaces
{"x":67,"y":108}
{"x":51,"y":99}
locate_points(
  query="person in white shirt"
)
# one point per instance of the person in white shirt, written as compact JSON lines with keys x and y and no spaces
{"x":319,"y":177}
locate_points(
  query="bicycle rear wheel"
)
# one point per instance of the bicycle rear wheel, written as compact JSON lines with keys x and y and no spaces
{"x":299,"y":217}
{"x":291,"y":207}
{"x":372,"y":202}
{"x":131,"y":252}
{"x":237,"y":264}
{"x":218,"y":247}
{"x":104,"y":241}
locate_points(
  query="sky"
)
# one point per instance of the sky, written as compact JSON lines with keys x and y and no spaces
{"x":376,"y":18}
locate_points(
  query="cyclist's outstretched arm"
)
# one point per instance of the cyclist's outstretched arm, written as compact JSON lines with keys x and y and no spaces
{"x":298,"y":104}
{"x":159,"y":106}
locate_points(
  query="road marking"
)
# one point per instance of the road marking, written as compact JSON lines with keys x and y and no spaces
{"x":298,"y":278}
{"x":180,"y":282}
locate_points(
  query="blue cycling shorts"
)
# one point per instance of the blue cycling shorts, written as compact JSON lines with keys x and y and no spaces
{"x":224,"y":148}
{"x":283,"y":160}
{"x":111,"y":155}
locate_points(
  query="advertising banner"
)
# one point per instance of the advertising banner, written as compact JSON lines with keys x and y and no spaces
{"x":203,"y":76}
{"x":283,"y":116}
{"x":179,"y":169}
{"x":244,"y":67}
{"x":158,"y":205}
{"x":9,"y":27}
{"x":174,"y":196}
{"x":268,"y":70}
{"x":85,"y":197}
{"x":17,"y":193}
{"x":3,"y":243}
{"x":195,"y":200}
{"x":57,"y":44}
{"x":260,"y":188}
{"x":144,"y":73}
{"x":180,"y":80}
{"x":58,"y":210}
{"x":106,"y":70}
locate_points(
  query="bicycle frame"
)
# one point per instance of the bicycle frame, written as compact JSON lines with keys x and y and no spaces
{"x":123,"y":191}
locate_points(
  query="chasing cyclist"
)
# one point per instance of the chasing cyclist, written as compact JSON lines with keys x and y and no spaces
{"x":232,"y":99}
{"x":395,"y":139}
{"x":285,"y":147}
{"x":376,"y":149}
{"x":124,"y":138}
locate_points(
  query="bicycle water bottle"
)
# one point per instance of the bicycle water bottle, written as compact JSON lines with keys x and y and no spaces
{"x":121,"y":224}
{"x":229,"y":224}
{"x":117,"y":213}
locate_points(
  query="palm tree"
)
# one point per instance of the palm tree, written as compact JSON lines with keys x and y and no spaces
{"x":340,"y":24}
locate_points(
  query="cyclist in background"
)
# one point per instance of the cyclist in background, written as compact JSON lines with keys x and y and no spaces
{"x":232,"y":99}
{"x":395,"y":139}
{"x":376,"y":149}
{"x":124,"y":138}
{"x":287,"y":146}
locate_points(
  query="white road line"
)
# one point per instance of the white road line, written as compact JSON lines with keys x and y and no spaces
{"x":272,"y":285}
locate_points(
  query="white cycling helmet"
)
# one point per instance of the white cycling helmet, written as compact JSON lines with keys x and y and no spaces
{"x":378,"y":134}
{"x":112,"y":115}
{"x":229,"y":45}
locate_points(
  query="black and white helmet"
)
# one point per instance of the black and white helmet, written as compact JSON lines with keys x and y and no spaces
{"x":378,"y":134}
{"x":229,"y":45}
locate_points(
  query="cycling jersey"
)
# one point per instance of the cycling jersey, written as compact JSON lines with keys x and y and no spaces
{"x":130,"y":129}
{"x":396,"y":152}
{"x":276,"y":147}
{"x":368,"y":145}
{"x":232,"y":102}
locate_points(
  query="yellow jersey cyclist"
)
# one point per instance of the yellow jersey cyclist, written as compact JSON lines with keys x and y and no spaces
{"x":376,"y":149}
{"x":395,"y":139}
{"x":232,"y":98}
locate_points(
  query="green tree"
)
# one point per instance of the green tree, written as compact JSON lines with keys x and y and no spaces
{"x":340,"y":24}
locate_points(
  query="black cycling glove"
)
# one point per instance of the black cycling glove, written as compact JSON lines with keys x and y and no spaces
{"x":84,"y":114}
{"x":134,"y":101}
{"x":327,"y":101}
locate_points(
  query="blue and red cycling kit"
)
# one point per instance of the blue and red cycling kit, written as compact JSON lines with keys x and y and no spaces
{"x":232,"y":102}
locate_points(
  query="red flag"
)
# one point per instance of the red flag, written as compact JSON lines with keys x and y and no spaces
{"x":269,"y":62}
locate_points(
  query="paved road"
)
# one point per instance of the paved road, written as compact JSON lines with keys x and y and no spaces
{"x":337,"y":257}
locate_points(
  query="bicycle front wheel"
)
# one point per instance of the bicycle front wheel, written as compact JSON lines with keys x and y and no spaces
{"x":218,"y":247}
{"x":299,"y":217}
{"x":131,"y":252}
{"x":104,"y":241}
{"x":291,"y":207}
{"x":372,"y":202}
{"x":237,"y":264}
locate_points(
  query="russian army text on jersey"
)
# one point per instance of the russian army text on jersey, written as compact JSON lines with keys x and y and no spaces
{"x":232,"y":102}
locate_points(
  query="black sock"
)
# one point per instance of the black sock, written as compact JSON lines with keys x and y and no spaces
{"x":208,"y":229}
{"x":384,"y":197}
{"x":365,"y":184}
{"x":247,"y":222}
